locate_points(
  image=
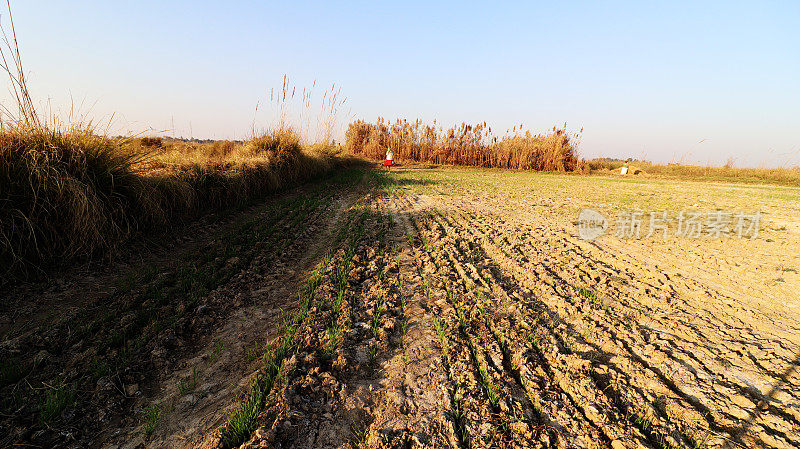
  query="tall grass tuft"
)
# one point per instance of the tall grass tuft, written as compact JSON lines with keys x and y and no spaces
{"x":470,"y":145}
{"x":281,"y":146}
{"x":65,"y":193}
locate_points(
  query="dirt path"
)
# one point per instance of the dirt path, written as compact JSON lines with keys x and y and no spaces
{"x":368,"y":370}
{"x":269,"y":286}
{"x":152,"y":355}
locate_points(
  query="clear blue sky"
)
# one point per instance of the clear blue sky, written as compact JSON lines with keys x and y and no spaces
{"x":691,"y":81}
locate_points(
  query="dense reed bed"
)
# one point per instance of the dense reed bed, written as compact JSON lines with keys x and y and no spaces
{"x":470,"y":145}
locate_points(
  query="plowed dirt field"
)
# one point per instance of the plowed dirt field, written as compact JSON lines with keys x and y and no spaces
{"x":419,"y":307}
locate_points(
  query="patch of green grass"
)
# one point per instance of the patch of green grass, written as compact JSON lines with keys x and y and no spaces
{"x":457,"y":415}
{"x":586,"y":293}
{"x":535,"y":336}
{"x":333,"y":339}
{"x":403,"y":297}
{"x":186,"y":386}
{"x":336,"y":307}
{"x":642,"y":420}
{"x":150,"y":415}
{"x":99,"y":368}
{"x":219,"y":345}
{"x":696,"y":441}
{"x":375,"y":322}
{"x":242,"y":422}
{"x":593,"y":298}
{"x":56,"y":400}
{"x":12,"y":371}
{"x":250,"y":354}
{"x":441,"y":330}
{"x":488,"y":386}
{"x":358,"y":435}
{"x":483,"y":374}
{"x":404,"y":323}
{"x":340,"y":273}
{"x":565,"y":344}
{"x":372,"y":354}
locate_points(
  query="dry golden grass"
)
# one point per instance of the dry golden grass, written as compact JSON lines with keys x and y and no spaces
{"x":67,"y":192}
{"x":71,"y":193}
{"x":467,"y":145}
{"x":63,"y":193}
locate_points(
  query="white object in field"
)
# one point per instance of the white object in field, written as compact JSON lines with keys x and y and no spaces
{"x":624,"y":171}
{"x":389,"y":156}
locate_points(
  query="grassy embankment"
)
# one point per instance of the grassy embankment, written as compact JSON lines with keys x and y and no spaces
{"x":68,"y":193}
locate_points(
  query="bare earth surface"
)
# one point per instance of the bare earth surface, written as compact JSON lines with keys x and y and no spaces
{"x":437,"y":308}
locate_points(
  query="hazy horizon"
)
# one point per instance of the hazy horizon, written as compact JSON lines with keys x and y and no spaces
{"x":675,"y":82}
